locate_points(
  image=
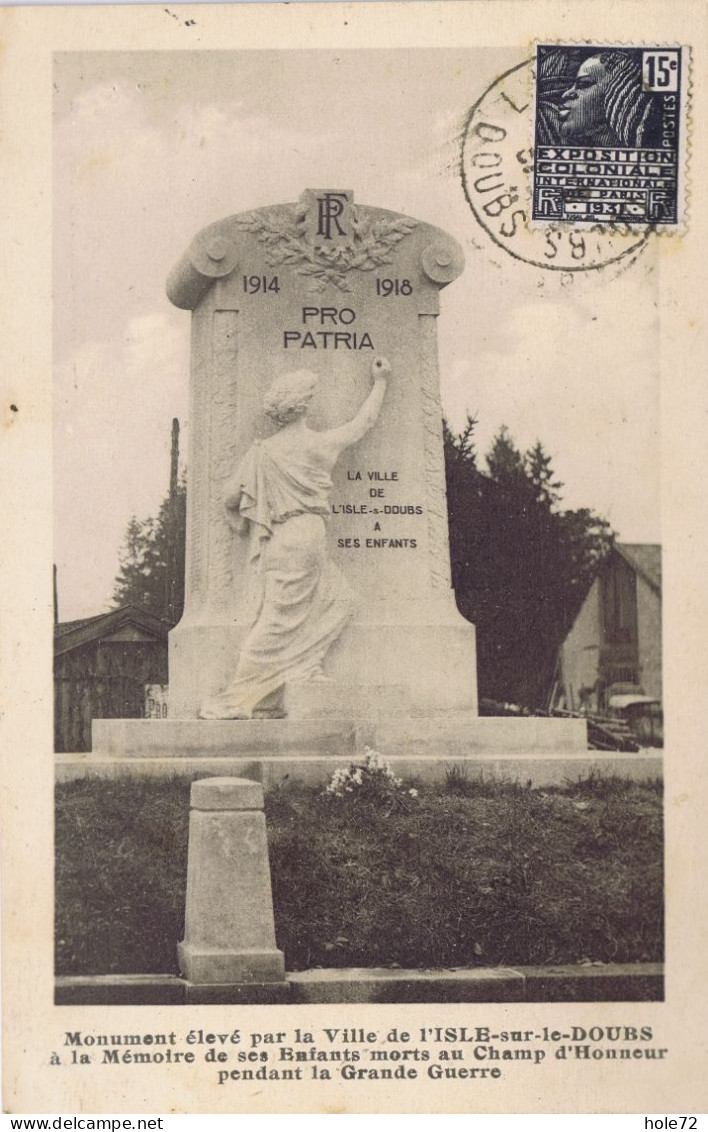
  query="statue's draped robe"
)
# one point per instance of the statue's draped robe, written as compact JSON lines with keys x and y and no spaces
{"x":303,"y":601}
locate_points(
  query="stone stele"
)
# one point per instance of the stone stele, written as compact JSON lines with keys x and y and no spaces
{"x":229,"y":932}
{"x":326,"y":285}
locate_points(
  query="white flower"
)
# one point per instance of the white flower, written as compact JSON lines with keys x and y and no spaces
{"x":373,"y":769}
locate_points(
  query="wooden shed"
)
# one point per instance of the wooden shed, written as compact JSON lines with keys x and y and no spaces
{"x":101,"y":668}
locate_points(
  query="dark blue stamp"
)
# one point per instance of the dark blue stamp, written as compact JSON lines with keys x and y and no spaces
{"x":608,"y":135}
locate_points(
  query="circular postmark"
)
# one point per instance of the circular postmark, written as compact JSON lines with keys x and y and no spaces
{"x":497,"y":178}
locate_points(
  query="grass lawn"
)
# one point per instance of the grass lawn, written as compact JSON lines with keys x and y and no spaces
{"x":467,"y":874}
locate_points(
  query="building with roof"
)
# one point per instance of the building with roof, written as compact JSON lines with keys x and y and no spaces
{"x":103,"y":668}
{"x":614,"y":646}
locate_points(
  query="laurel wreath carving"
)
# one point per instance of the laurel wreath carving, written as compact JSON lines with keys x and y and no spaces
{"x":283,"y":231}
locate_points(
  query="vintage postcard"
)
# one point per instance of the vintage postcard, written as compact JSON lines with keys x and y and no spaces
{"x":354,"y":430}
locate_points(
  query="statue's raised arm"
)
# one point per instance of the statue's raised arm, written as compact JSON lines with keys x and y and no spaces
{"x":349,"y":433}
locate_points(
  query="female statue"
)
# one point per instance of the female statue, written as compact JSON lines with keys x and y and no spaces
{"x":596,"y":98}
{"x":279,"y":498}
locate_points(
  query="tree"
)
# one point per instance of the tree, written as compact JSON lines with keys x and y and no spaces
{"x":151,"y":571}
{"x":505,"y":463}
{"x":537,"y":466}
{"x":521,"y":566}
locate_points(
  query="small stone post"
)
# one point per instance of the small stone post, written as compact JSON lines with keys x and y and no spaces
{"x":229,"y":929}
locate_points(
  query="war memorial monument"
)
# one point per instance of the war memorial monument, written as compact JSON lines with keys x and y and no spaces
{"x":319,"y":619}
{"x":319,"y":613}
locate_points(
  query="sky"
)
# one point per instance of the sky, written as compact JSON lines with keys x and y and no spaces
{"x":150,"y":147}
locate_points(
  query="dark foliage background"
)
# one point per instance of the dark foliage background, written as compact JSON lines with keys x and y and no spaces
{"x":521,"y":565}
{"x":151,"y":573}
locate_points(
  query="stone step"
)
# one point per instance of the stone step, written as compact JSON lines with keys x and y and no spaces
{"x":450,"y":735}
{"x":538,"y":768}
{"x":462,"y":734}
{"x":196,"y":738}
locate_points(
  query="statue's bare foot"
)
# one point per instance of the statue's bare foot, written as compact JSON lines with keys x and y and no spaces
{"x":207,"y":712}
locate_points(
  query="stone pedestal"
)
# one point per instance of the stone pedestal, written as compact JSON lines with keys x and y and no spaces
{"x":229,"y":930}
{"x":325,"y":284}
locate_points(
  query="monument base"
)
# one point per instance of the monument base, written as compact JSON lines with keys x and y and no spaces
{"x":200,"y":965}
{"x":309,"y":750}
{"x":332,"y":699}
{"x":422,"y":650}
{"x":448,"y":735}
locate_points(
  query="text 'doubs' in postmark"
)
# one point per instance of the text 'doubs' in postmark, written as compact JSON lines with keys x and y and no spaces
{"x":607,"y":134}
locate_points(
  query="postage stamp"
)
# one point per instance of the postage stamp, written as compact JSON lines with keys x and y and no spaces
{"x":608,"y":134}
{"x":497,"y":174}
